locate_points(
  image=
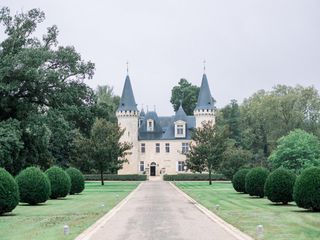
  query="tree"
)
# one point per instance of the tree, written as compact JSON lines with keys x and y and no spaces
{"x":104,"y":148}
{"x":10,"y":144}
{"x":107,"y":103}
{"x":38,"y":77}
{"x":296,"y":151}
{"x":187,"y":93}
{"x":206,"y":151}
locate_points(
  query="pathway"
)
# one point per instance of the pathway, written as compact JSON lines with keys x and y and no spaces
{"x":158,"y":211}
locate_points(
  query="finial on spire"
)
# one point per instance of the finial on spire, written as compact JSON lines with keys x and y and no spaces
{"x":204,"y":66}
{"x":180,"y":102}
{"x":154,"y":108}
{"x":127,"y":67}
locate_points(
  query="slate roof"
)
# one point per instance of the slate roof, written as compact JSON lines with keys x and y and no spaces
{"x":127,"y":102}
{"x":164,"y":126}
{"x":205,"y":100}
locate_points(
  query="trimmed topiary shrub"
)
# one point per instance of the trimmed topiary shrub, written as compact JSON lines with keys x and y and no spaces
{"x":77,"y":180}
{"x":34,"y":186}
{"x":60,"y":182}
{"x":9,"y":192}
{"x":306,"y":190}
{"x":279,"y":186}
{"x":255,"y":180}
{"x":239,"y":180}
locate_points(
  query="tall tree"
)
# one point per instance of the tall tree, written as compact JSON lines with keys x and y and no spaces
{"x":207,"y":149}
{"x":104,"y":148}
{"x":187,"y":93}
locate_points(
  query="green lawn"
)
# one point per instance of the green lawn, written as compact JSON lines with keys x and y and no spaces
{"x":245,"y":212}
{"x":46,"y":221}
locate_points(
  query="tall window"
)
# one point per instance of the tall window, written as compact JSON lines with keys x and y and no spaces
{"x":157,"y":147}
{"x":150,"y":125}
{"x":141,"y":166}
{"x":180,"y":129}
{"x":143,"y":147}
{"x":167,"y":147}
{"x":185,"y":147}
{"x":181,"y":165}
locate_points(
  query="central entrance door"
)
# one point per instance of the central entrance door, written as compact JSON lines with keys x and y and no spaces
{"x":153,"y":169}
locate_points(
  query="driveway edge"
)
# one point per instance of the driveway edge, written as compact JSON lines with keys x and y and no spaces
{"x":87,"y":234}
{"x":228,"y":227}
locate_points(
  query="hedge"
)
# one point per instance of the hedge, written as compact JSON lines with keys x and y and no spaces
{"x":115,"y":177}
{"x":9,"y":192}
{"x":193,"y":177}
{"x":34,"y":186}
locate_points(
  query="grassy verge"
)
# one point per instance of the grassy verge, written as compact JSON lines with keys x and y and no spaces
{"x":245,"y":212}
{"x":46,"y":221}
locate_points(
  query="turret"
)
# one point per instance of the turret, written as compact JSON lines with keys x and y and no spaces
{"x":204,"y":111}
{"x":128,"y":118}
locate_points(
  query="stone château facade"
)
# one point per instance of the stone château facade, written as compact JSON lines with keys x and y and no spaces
{"x":159,"y":142}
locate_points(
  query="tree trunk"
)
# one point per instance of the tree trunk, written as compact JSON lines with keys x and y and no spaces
{"x":102,"y":180}
{"x":210,"y":177}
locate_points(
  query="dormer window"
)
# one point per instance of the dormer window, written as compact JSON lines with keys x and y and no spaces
{"x":150,"y":125}
{"x":180,"y":129}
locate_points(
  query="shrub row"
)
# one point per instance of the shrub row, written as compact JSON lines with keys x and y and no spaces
{"x":33,"y":186}
{"x":193,"y":177}
{"x":281,"y":186}
{"x":115,"y":177}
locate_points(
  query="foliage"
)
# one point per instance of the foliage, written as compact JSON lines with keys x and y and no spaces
{"x":42,"y":94}
{"x":298,"y":150}
{"x":9,"y":192}
{"x":60,"y":182}
{"x":234,"y":158}
{"x":10,"y":144}
{"x":107,"y":103}
{"x":268,"y":115}
{"x":104,"y":148}
{"x":187,"y":93}
{"x":77,"y":180}
{"x":255,"y":180}
{"x":34,"y":186}
{"x":115,"y":177}
{"x":206,"y":151}
{"x":306,"y":192}
{"x":193,"y":177}
{"x":279,"y":186}
{"x":239,"y":180}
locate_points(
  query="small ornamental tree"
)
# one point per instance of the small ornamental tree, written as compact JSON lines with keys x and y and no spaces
{"x":255,"y":180}
{"x":60,"y":182}
{"x":34,"y":186}
{"x":239,"y":180}
{"x":296,"y":151}
{"x":9,"y":192}
{"x":279,"y":186}
{"x":77,"y":180}
{"x":306,"y":191}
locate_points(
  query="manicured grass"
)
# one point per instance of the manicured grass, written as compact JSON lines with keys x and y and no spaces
{"x":46,"y":221}
{"x":245,"y":212}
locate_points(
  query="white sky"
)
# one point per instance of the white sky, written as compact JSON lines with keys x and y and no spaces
{"x":248,"y":45}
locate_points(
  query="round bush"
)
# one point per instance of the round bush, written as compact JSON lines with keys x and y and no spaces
{"x":9,"y":192}
{"x":34,"y":186}
{"x":60,"y":182}
{"x":255,"y":180}
{"x":239,"y":180}
{"x":279,"y":186}
{"x":77,"y":180}
{"x":306,"y":190}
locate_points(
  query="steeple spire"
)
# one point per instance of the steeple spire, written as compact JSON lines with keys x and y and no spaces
{"x":205,"y":100}
{"x":127,"y":101}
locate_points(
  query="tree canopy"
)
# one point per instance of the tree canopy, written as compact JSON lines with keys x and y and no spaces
{"x":187,"y":93}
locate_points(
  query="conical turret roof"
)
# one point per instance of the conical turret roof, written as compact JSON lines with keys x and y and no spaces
{"x":127,"y":101}
{"x":205,"y":100}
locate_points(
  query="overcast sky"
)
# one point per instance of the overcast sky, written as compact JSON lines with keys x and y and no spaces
{"x":248,"y":45}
